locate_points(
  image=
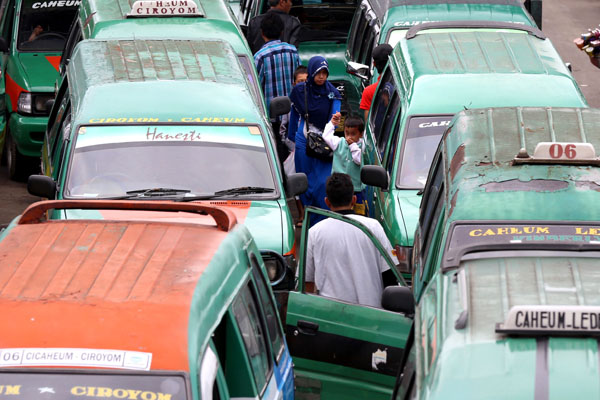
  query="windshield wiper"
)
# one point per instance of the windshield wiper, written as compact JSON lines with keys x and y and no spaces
{"x":237,"y":191}
{"x":157,"y":191}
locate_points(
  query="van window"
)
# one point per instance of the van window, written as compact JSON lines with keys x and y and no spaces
{"x":47,"y":28}
{"x":75,"y":36}
{"x":253,"y":332}
{"x":381,"y":101}
{"x":8,"y":22}
{"x":248,"y":68}
{"x":358,"y":25}
{"x":388,"y":120}
{"x":273,"y":327}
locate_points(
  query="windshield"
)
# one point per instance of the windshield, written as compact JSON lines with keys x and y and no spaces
{"x":88,"y":386}
{"x":324,"y":20}
{"x":110,"y":161}
{"x":422,"y":138}
{"x":44,"y":25}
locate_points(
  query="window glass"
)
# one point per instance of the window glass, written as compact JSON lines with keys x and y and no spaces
{"x":264,"y":294}
{"x":250,"y":326}
{"x":45,"y":28}
{"x":421,"y":141}
{"x":359,"y":28}
{"x":254,"y":85}
{"x":9,"y":15}
{"x":431,"y":200}
{"x":206,"y":160}
{"x":388,"y":121}
{"x":381,"y":101}
{"x":359,"y":16}
{"x":367,"y":40}
{"x":324,"y":20}
{"x":75,"y":37}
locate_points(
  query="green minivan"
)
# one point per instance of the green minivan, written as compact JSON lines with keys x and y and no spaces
{"x":506,"y":259}
{"x":138,"y":309}
{"x":376,"y":22}
{"x":32,"y":37}
{"x":437,"y":70}
{"x":166,"y":120}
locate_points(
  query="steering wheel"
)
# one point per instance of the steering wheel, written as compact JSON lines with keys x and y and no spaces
{"x":50,"y":35}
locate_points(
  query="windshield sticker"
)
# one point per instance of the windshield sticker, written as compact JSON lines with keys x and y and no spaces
{"x":428,"y":126}
{"x":494,"y":234}
{"x":108,"y":385}
{"x":75,"y":358}
{"x":104,"y":135}
{"x":59,"y":3}
{"x":122,"y":120}
{"x":163,"y":7}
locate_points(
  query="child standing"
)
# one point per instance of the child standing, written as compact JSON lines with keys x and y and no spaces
{"x":347,"y":153}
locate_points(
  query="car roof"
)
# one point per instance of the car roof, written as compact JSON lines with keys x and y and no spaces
{"x":107,"y":19}
{"x":470,"y":64}
{"x":102,"y":284}
{"x":151,"y":78}
{"x":484,"y":184}
{"x":433,"y":10}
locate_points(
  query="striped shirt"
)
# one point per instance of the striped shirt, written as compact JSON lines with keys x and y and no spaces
{"x":275,"y":63}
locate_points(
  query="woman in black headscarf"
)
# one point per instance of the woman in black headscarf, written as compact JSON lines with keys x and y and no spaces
{"x":318,"y":98}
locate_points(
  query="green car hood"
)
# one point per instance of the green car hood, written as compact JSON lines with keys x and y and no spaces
{"x":39,"y":71}
{"x":476,"y":362}
{"x":264,"y":219}
{"x":409,"y":203}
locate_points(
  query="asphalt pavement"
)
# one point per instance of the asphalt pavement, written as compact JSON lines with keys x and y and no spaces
{"x":563,"y":21}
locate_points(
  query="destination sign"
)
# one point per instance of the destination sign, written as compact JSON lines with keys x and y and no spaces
{"x":163,"y":8}
{"x":465,"y":236}
{"x":54,"y":357}
{"x":552,"y":320}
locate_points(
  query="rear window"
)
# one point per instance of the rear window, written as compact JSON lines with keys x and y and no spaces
{"x":324,"y":20}
{"x":87,"y":386}
{"x":44,"y":25}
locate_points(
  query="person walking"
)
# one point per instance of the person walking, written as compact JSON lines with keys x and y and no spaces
{"x":291,"y":25}
{"x":316,"y":99}
{"x":276,"y":61}
{"x":341,"y":260}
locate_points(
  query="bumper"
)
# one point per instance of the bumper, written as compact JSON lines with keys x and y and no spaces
{"x":28,"y":133}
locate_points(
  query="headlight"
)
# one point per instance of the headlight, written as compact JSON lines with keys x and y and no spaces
{"x":24,"y":104}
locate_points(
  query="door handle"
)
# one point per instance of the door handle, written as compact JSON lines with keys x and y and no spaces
{"x":307,"y":328}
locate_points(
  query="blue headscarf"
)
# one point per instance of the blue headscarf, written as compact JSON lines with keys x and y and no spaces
{"x":319,"y":97}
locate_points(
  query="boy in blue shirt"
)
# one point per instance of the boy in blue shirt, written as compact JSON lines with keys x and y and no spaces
{"x":347,"y":153}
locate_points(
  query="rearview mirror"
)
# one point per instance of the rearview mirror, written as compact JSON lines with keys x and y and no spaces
{"x":398,"y":299}
{"x":296,"y":184}
{"x":275,"y":265}
{"x":42,"y":186}
{"x":280,"y":105}
{"x":375,"y":175}
{"x":359,"y":70}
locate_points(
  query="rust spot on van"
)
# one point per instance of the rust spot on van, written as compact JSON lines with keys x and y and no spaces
{"x":587,"y":185}
{"x":457,"y":161}
{"x":534,"y":185}
{"x":453,"y":202}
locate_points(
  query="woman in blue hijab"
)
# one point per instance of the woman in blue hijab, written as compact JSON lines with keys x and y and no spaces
{"x":321,"y":99}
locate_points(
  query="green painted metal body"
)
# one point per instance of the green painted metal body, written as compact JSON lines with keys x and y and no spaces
{"x":441,"y":72}
{"x":25,"y":71}
{"x":481,"y":183}
{"x":335,"y":362}
{"x":188,"y":83}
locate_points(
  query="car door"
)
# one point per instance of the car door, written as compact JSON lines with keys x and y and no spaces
{"x":343,"y":350}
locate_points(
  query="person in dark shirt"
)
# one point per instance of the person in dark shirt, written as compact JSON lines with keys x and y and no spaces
{"x":291,"y":25}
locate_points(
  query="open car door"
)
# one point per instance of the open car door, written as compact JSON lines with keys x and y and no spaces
{"x":343,"y":350}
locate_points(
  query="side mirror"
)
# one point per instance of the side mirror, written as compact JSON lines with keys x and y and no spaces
{"x":42,"y":186}
{"x":3,"y":45}
{"x":296,"y":184}
{"x":398,"y":299}
{"x":358,"y":70}
{"x":375,"y":175}
{"x":280,"y":105}
{"x":276,"y":266}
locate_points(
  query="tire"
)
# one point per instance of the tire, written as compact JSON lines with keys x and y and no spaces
{"x":19,"y":166}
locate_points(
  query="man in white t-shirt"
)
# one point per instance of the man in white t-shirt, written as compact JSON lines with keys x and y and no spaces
{"x":341,"y":261}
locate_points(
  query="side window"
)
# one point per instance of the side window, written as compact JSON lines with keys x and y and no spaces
{"x":254,"y":85}
{"x":75,"y":36}
{"x":381,"y":101}
{"x":59,"y":148}
{"x":359,"y":19}
{"x":264,"y":296}
{"x":388,"y":161}
{"x":8,"y":22}
{"x":360,"y":32}
{"x":431,"y":204}
{"x":251,"y":327}
{"x":389,"y":117}
{"x":364,"y":57}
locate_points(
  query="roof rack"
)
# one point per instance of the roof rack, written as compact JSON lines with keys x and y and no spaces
{"x":35,"y":213}
{"x":412,"y":32}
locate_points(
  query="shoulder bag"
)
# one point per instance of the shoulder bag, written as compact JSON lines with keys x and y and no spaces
{"x":316,"y":146}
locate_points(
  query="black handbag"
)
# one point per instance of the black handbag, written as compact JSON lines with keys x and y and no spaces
{"x":316,"y":147}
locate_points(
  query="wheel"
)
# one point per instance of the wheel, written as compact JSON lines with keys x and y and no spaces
{"x":19,"y":166}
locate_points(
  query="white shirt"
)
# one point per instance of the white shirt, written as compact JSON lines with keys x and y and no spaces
{"x":343,"y":262}
{"x":334,"y":141}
